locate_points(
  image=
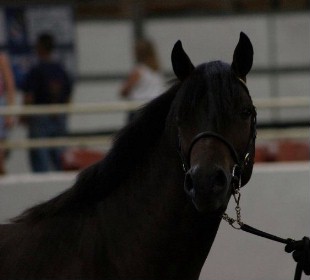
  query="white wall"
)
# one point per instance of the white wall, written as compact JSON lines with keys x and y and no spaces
{"x":279,"y":40}
{"x":96,"y":91}
{"x":105,"y":47}
{"x":276,"y":200}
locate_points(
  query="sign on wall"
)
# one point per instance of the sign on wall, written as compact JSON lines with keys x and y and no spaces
{"x":20,"y":26}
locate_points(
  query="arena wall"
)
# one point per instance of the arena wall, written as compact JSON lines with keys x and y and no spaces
{"x":104,"y":48}
{"x":104,"y":58}
{"x":276,"y":200}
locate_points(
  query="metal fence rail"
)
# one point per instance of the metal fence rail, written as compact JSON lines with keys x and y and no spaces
{"x":121,"y":106}
{"x":106,"y":141}
{"x":85,"y":108}
{"x":102,"y":141}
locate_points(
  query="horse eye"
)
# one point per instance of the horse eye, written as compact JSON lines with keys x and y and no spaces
{"x":246,"y":113}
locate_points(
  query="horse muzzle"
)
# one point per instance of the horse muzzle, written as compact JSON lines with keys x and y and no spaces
{"x":209,"y":189}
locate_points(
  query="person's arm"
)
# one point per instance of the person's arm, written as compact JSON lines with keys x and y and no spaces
{"x":8,"y":79}
{"x":9,"y":84}
{"x":130,"y":83}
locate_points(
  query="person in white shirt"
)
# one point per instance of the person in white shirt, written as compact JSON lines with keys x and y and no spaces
{"x":145,"y":81}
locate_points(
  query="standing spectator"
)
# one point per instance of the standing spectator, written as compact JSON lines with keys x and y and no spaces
{"x":46,"y":83}
{"x":145,"y":80}
{"x":7,"y":97}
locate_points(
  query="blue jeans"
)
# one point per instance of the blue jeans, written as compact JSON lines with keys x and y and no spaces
{"x":46,"y":159}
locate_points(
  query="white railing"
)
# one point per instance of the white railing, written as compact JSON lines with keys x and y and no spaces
{"x":105,"y":141}
{"x":85,"y":108}
{"x":121,"y":106}
{"x":282,"y":102}
{"x":102,"y":141}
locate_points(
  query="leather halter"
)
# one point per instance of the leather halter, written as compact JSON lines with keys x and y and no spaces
{"x":239,"y":163}
{"x":208,"y":134}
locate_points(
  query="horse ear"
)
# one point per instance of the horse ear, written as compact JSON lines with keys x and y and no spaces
{"x":182,"y":65}
{"x":243,"y":57}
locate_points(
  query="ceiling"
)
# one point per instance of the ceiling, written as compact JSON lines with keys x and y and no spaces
{"x":157,"y":8}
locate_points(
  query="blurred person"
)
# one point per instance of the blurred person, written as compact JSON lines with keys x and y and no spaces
{"x":7,"y":97}
{"x":47,"y":82}
{"x":145,"y":80}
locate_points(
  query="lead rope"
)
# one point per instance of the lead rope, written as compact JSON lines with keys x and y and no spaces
{"x":300,"y":249}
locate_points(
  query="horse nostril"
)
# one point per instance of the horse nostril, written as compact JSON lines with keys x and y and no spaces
{"x":198,"y":182}
{"x":189,"y":185}
{"x":220,"y":181}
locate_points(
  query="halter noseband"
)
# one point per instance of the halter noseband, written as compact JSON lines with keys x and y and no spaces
{"x":207,"y":134}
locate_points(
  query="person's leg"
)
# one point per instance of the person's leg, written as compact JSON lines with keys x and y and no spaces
{"x":58,"y":129}
{"x":39,"y":157}
{"x":39,"y":160}
{"x":3,"y":134}
{"x":2,"y":161}
{"x":56,"y":158}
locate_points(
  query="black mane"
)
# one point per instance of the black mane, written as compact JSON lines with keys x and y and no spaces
{"x":218,"y":80}
{"x":131,"y":145}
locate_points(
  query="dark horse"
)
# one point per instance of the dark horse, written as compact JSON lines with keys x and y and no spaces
{"x":138,"y":214}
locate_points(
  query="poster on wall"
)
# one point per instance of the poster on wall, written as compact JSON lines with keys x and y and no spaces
{"x":20,"y":27}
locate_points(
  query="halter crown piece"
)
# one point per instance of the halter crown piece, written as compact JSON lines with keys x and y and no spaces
{"x":242,"y":82}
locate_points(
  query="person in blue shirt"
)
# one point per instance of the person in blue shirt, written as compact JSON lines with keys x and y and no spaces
{"x":47,"y":82}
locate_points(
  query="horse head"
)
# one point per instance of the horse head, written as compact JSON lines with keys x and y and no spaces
{"x":216,"y":123}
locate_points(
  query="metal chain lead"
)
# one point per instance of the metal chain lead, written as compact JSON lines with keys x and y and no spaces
{"x":237,"y":196}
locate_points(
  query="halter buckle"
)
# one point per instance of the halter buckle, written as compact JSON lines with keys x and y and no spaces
{"x":236,"y":177}
{"x":246,"y":159}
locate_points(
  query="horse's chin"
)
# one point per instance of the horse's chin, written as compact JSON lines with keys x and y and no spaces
{"x":209,"y":206}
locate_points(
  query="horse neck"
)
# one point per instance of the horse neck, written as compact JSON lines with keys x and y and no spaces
{"x":155,"y":207}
